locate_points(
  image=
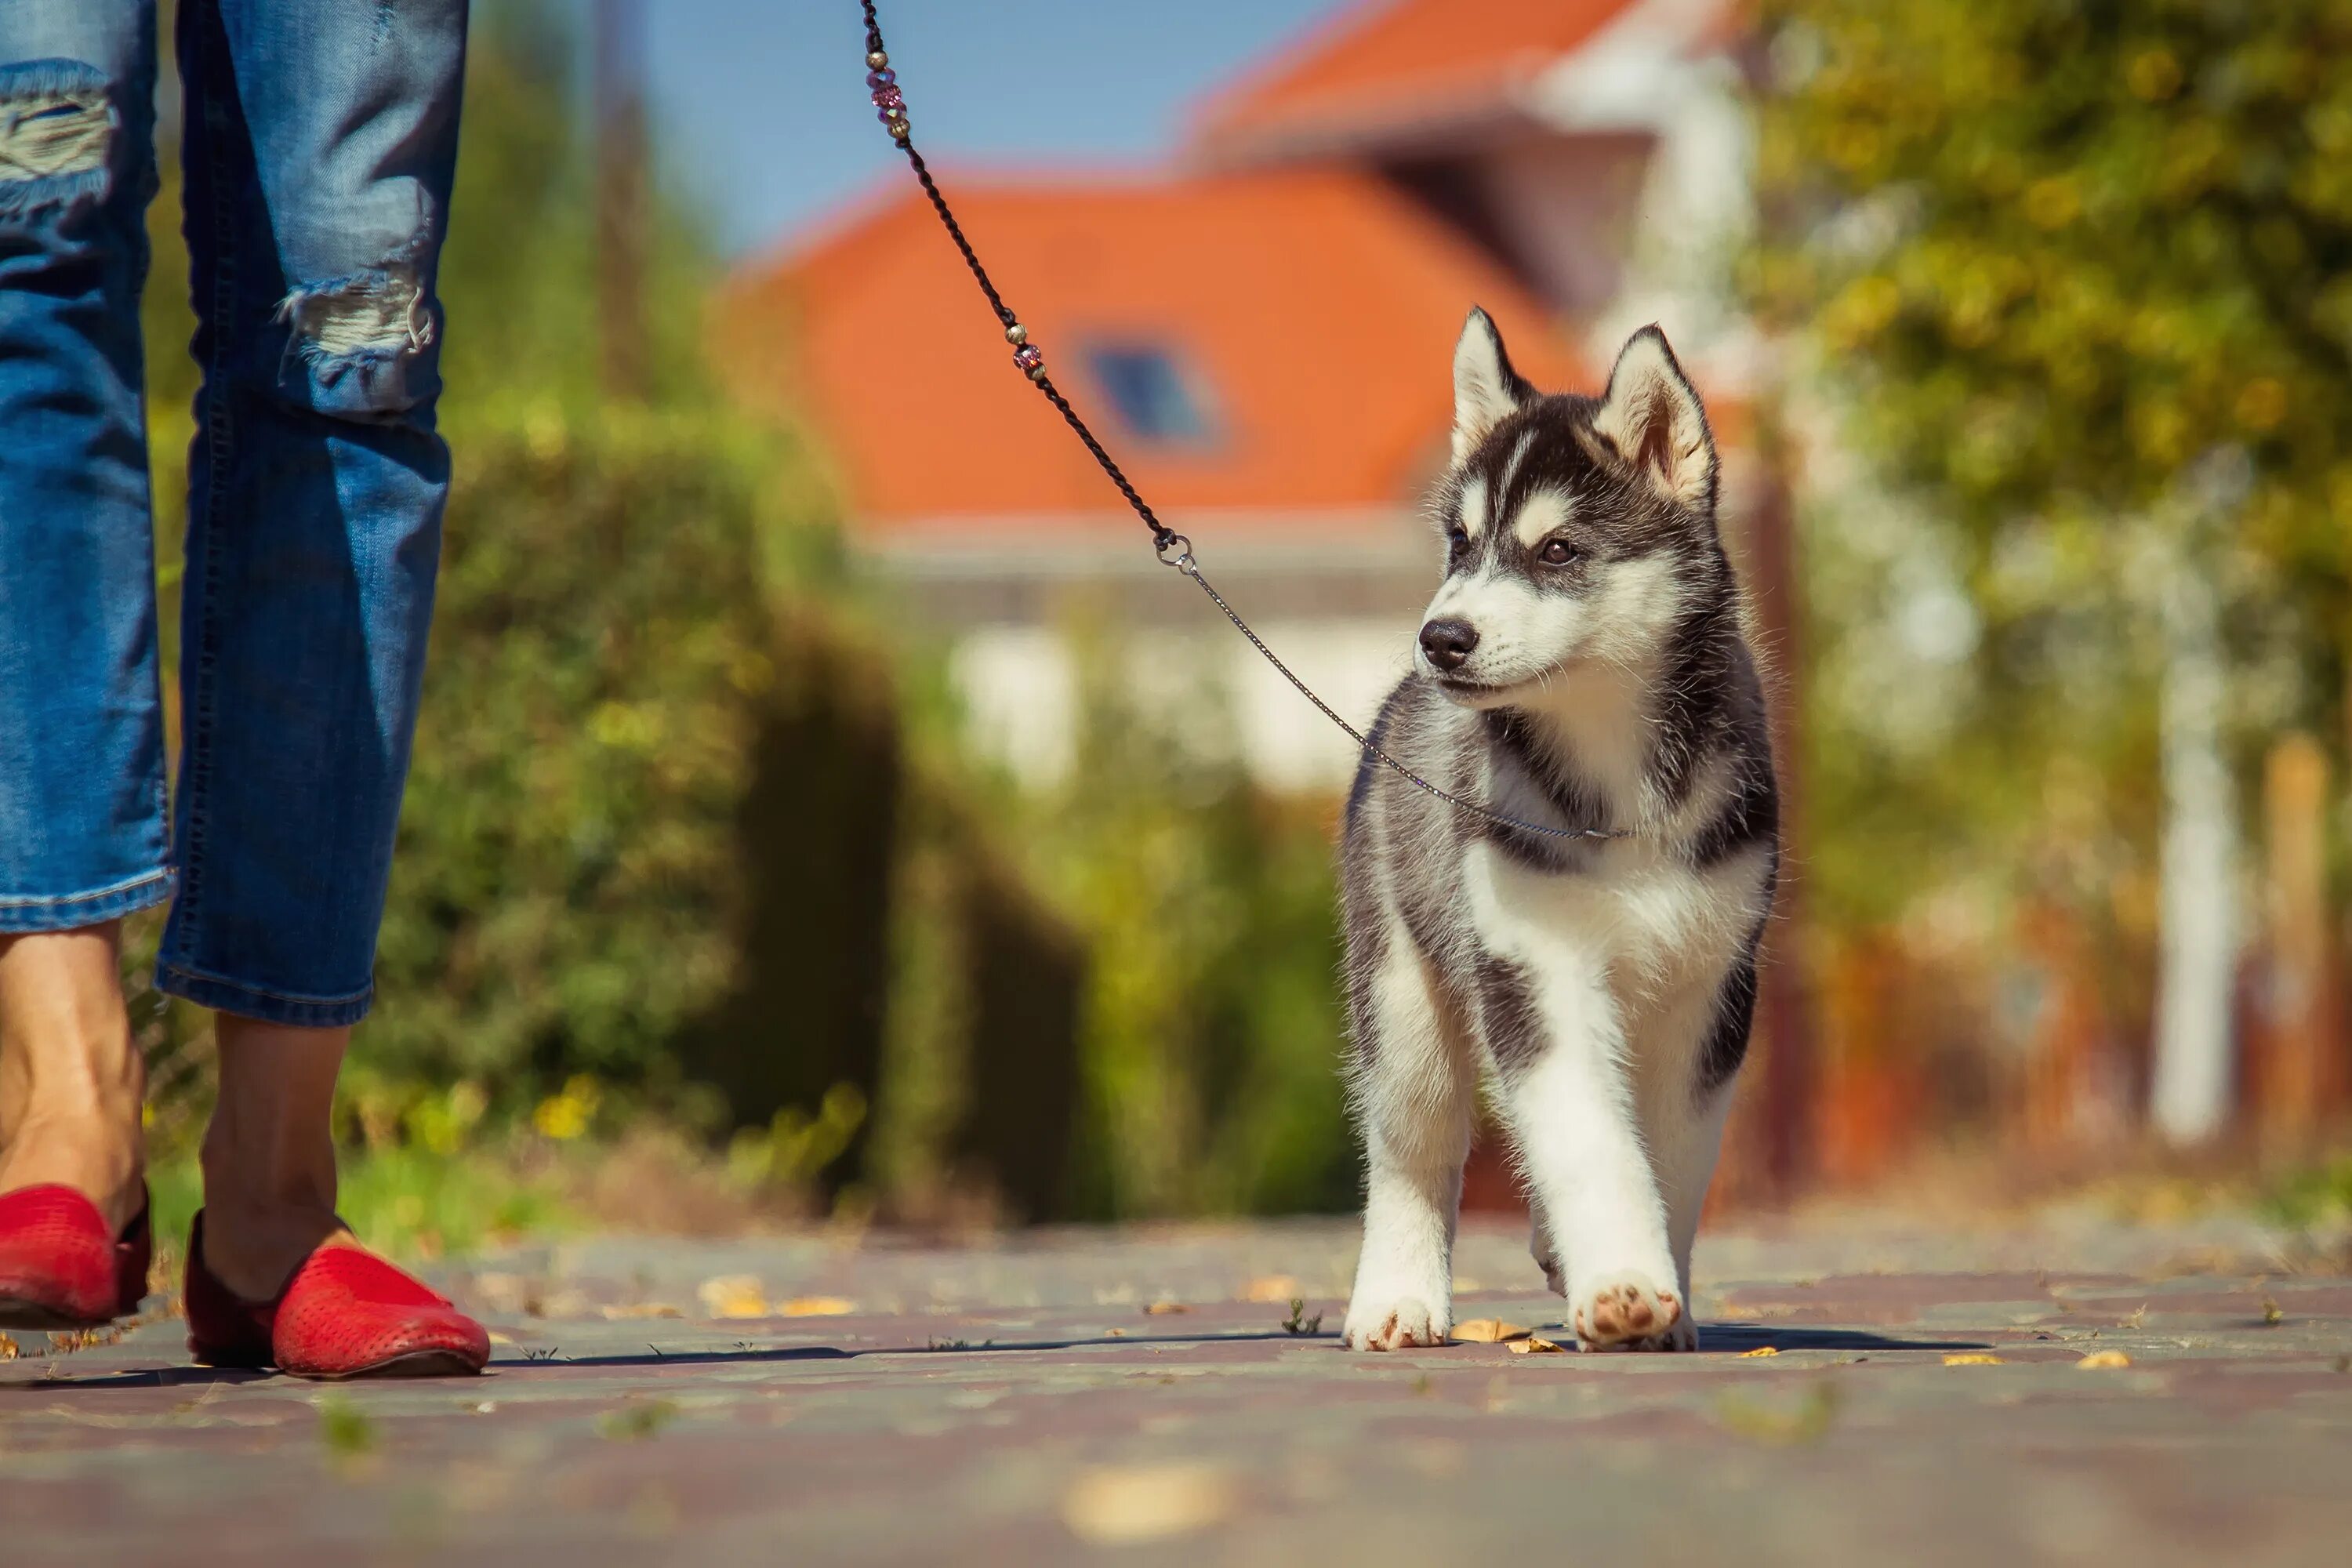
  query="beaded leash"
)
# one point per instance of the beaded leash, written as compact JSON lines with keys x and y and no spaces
{"x":890,"y":105}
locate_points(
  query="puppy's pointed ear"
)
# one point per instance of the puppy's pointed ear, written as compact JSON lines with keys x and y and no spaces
{"x":1485,"y":388}
{"x":1654,"y":416}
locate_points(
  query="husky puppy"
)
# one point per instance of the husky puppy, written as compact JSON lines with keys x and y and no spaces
{"x":1583,"y":666}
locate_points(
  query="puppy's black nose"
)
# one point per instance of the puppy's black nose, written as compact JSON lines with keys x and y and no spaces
{"x":1448,"y":643}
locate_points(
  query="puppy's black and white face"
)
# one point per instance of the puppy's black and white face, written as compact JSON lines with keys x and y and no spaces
{"x":1576,"y":529}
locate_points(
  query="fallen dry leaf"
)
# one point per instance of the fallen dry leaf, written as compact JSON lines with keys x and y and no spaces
{"x":2101,"y":1360}
{"x":1486,"y":1332}
{"x":1161,"y":1308}
{"x":1760,"y":1350}
{"x":643,"y":1309}
{"x":1120,"y":1505}
{"x":1972,"y":1358}
{"x":815,"y":1307}
{"x":1274,"y":1288}
{"x":733,"y":1296}
{"x":1535,"y":1344}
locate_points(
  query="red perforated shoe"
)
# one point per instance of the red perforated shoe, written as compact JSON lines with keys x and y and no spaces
{"x":60,"y":1269}
{"x":346,"y":1313}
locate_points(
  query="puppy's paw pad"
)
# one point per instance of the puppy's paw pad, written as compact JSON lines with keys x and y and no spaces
{"x":1394,"y":1326}
{"x":1627,"y":1312}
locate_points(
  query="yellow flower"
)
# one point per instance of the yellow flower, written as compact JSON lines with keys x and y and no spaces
{"x":567,"y":1115}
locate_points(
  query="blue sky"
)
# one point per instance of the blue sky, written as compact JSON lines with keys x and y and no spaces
{"x":759,"y":105}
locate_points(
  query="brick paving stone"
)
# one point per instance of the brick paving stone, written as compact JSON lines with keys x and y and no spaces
{"x":1012,"y":1400}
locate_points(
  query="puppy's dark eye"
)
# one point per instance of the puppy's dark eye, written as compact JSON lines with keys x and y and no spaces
{"x":1456,"y":541}
{"x":1556,"y":552}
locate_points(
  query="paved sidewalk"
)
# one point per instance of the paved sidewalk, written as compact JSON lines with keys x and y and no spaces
{"x":1015,"y":1402}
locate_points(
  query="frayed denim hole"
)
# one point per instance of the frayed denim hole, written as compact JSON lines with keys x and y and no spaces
{"x":361,"y":325}
{"x":56,"y":136}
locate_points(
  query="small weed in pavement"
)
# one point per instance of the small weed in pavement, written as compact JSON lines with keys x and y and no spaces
{"x":1298,"y":1322}
{"x":347,"y":1431}
{"x":2273,"y":1316}
{"x":551,"y":1352}
{"x":1808,"y":1421}
{"x":637,"y":1420}
{"x":2344,"y":1362}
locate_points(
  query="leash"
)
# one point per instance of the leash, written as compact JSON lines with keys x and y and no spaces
{"x":1172,"y":547}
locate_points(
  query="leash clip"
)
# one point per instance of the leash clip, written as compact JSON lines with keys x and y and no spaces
{"x":1183,"y":559}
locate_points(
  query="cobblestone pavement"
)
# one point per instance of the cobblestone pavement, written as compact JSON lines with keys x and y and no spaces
{"x":1148,"y":1396}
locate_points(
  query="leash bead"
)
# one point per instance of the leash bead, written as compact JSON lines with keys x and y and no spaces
{"x":879,"y":79}
{"x":1038,"y":376}
{"x":878,"y":60}
{"x":894,"y":116}
{"x":1029,"y":357}
{"x":889,"y":97}
{"x":1016,"y":335}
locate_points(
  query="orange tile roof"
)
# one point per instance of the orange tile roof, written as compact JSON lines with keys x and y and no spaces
{"x":1314,"y":308}
{"x":1388,"y":59}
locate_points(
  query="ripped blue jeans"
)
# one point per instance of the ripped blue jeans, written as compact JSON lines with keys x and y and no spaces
{"x":319,"y":140}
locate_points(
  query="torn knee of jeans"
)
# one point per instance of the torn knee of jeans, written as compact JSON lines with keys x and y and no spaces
{"x":56,"y":131}
{"x":370,"y":315}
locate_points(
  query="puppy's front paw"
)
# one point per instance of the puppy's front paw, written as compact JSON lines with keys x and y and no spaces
{"x":1627,"y":1312}
{"x":1394,"y":1325}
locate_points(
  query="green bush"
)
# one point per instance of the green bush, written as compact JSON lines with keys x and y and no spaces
{"x":568,"y":887}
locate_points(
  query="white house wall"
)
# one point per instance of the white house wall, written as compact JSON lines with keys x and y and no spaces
{"x":1019,"y":686}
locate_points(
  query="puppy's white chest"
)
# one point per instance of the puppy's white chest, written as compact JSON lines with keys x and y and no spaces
{"x":1638,"y":912}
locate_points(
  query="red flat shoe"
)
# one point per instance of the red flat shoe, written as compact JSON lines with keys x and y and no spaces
{"x":59,"y":1269}
{"x":344,"y":1313}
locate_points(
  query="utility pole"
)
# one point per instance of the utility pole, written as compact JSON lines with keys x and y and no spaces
{"x":623,"y":182}
{"x":2189,"y":1093}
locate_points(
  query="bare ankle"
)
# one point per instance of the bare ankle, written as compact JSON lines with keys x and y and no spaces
{"x":269,"y":1155}
{"x":253,"y":1248}
{"x":71,"y":1079}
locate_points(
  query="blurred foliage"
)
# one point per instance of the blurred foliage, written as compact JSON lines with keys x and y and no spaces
{"x":1209,"y":1021}
{"x":2321,"y":1195}
{"x":2071,"y":244}
{"x":2041,"y":257}
{"x":1117,"y":996}
{"x":692,"y":840}
{"x":568,"y":882}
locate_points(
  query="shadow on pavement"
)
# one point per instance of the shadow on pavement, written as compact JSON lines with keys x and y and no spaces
{"x":1737,"y":1339}
{"x":1718,"y":1339}
{"x":947,"y":1347}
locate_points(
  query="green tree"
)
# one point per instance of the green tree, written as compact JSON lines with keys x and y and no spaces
{"x":2085,"y":267}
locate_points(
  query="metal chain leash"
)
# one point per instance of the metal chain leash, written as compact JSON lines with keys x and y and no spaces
{"x":890,"y":103}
